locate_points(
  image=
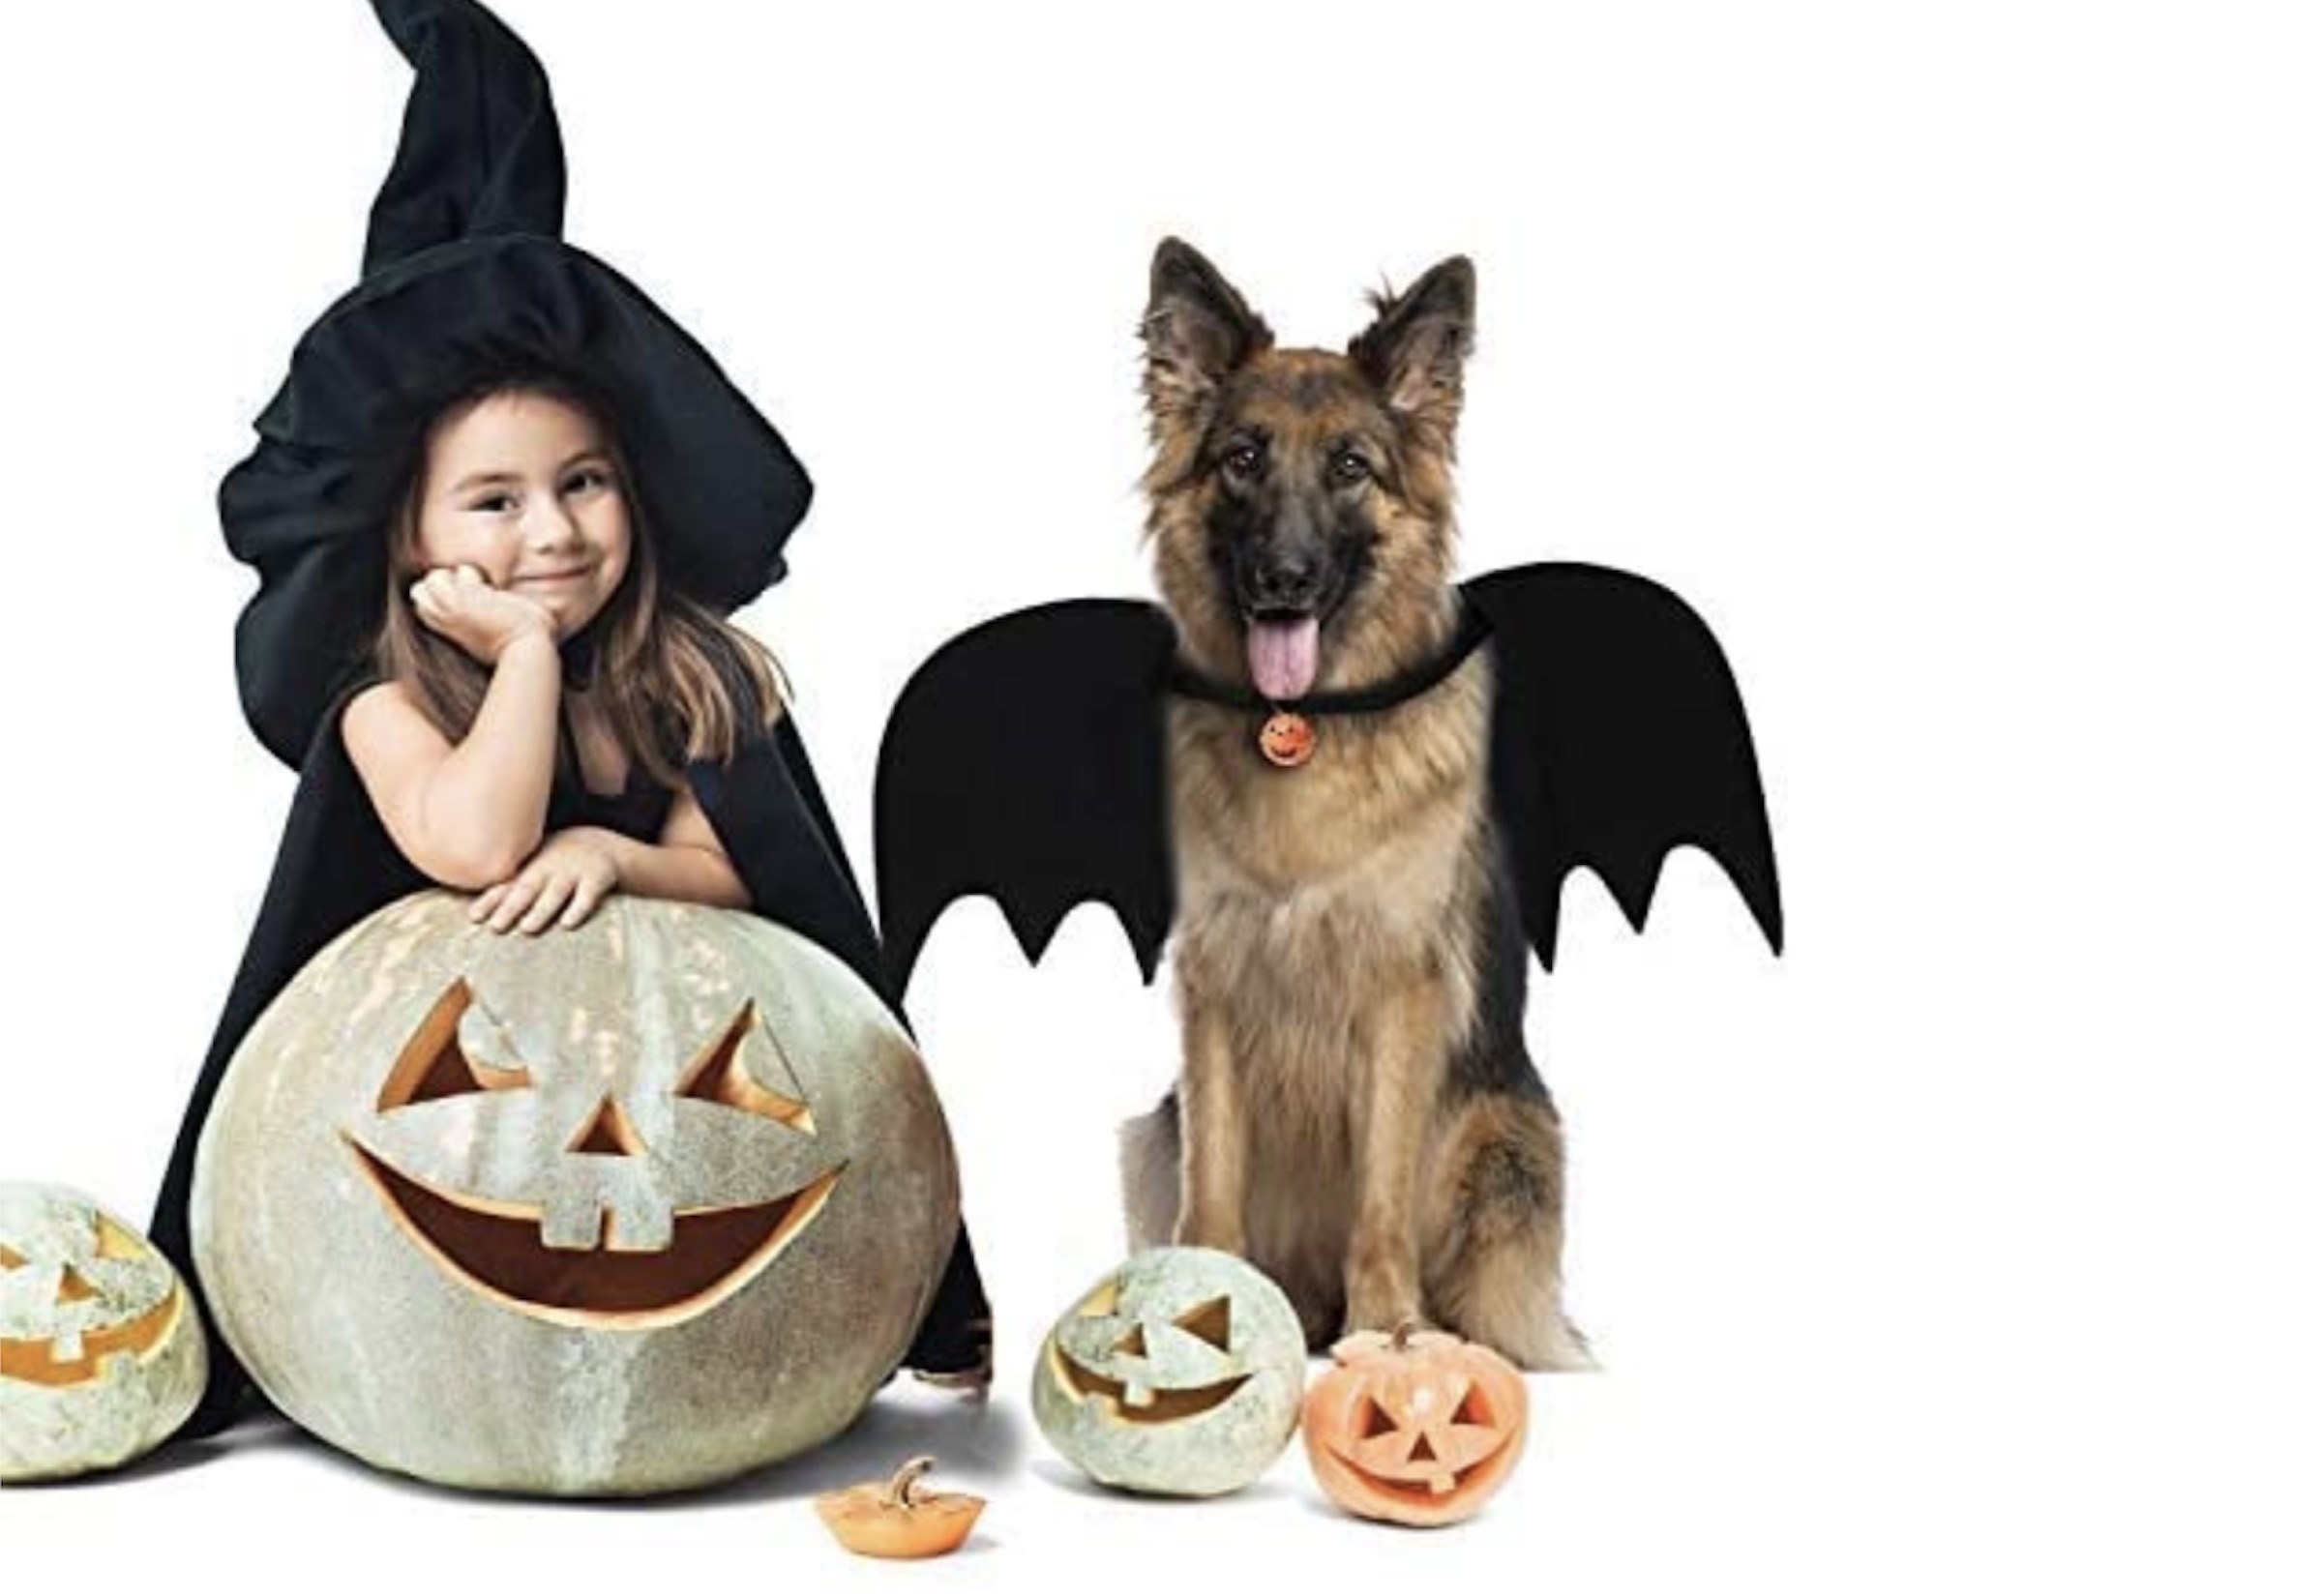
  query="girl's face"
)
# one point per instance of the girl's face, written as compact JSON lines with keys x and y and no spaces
{"x":522,"y":486}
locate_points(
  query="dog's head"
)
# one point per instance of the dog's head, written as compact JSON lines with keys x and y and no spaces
{"x":1301,"y":499}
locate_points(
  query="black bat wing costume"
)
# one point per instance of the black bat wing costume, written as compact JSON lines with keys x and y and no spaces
{"x":1026,"y":761}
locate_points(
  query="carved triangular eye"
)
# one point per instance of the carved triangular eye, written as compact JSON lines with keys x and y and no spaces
{"x":434,"y":1065}
{"x":11,"y":1258}
{"x":1375,"y":1422}
{"x":1212,"y":1322}
{"x":115,"y":1243}
{"x":1103,"y":1302}
{"x":719,"y":1075}
{"x":1472,"y":1410}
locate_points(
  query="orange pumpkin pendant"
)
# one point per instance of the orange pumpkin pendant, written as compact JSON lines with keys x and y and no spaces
{"x":1287,"y":739}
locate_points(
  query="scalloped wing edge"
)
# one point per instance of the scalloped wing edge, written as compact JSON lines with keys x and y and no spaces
{"x":1097,"y":663}
{"x":1742,"y":846}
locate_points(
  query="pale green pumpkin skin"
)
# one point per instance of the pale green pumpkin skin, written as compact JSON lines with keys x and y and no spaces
{"x":362,"y":1335}
{"x":1209,"y":1453}
{"x":121,"y":1287}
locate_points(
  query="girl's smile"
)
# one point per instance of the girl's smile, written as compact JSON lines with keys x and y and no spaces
{"x":551,"y":579}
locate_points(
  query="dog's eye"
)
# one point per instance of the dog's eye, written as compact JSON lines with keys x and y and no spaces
{"x":1242,"y":460}
{"x":1347,"y":466}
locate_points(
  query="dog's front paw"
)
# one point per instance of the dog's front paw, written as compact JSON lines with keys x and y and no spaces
{"x":1382,"y":1285}
{"x":1384,"y":1313}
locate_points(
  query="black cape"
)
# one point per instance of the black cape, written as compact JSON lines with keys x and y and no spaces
{"x":337,"y":864}
{"x":1026,"y":761}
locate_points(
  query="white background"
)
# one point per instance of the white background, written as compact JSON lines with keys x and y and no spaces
{"x":1961,"y":363}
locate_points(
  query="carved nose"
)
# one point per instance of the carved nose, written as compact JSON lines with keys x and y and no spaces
{"x":608,"y":1133}
{"x":73,"y":1288}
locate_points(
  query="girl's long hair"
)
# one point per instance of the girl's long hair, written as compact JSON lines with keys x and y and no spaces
{"x":676,"y":681}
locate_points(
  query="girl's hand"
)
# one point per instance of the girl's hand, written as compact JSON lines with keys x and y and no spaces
{"x":562,"y":883}
{"x":460,"y":603}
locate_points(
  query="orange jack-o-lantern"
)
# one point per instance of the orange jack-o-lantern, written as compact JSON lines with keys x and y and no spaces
{"x":1417,"y":1428}
{"x":100,"y":1353}
{"x":627,"y":1207}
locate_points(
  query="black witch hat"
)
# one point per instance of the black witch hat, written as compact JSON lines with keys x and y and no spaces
{"x":465,"y":277}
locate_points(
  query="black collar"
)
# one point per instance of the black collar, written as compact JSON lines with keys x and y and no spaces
{"x":1183,"y":679}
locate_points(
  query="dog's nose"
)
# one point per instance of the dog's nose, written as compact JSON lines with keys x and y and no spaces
{"x":1286,"y":581}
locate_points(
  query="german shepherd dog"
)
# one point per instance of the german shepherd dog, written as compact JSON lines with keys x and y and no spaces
{"x":1356,"y":1112}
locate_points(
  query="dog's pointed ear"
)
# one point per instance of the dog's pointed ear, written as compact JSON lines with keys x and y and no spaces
{"x":1417,"y":350}
{"x":1197,"y":330}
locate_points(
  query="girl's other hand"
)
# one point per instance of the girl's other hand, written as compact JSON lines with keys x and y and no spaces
{"x":461,"y":603}
{"x":562,"y":884}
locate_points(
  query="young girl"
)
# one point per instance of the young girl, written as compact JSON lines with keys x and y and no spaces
{"x":516,"y":545}
{"x":497,"y":512}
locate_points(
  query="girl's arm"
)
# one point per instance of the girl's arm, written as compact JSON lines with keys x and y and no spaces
{"x":689,"y":862}
{"x":578,"y":868}
{"x":468,"y":814}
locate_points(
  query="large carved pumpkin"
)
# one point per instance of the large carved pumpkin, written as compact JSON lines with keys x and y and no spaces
{"x":1178,"y":1375}
{"x":100,"y":1353}
{"x":624,"y":1208}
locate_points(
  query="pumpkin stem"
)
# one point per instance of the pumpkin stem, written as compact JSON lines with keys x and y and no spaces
{"x":899,"y":1489}
{"x":1403,"y":1334}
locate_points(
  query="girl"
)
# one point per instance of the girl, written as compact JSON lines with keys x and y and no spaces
{"x":497,"y":512}
{"x":518,"y":539}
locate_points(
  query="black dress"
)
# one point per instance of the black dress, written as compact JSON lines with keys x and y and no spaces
{"x":638,"y":811}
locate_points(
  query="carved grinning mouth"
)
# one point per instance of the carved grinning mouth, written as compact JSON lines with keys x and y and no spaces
{"x":496,"y":1249}
{"x":1433,"y":1490}
{"x":1159,"y":1406}
{"x":36,"y":1362}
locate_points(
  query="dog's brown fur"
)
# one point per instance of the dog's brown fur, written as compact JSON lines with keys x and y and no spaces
{"x":1354,"y":1112}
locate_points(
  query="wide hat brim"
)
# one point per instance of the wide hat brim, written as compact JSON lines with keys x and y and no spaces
{"x":718,"y":488}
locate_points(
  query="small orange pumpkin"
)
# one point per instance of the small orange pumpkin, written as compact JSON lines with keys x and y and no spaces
{"x":1416,"y":1428}
{"x":894,"y":1519}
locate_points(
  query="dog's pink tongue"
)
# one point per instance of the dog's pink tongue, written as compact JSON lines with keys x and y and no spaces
{"x":1281,"y":656}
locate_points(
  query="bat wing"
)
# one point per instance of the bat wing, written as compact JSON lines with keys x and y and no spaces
{"x":1618,"y":734}
{"x":1023,"y":762}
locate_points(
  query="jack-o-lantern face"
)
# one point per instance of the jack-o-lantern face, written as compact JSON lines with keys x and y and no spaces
{"x":95,"y":1308}
{"x":605,"y":1242}
{"x":1150,"y":1369}
{"x":634,"y":1207}
{"x":1179,"y":1376}
{"x":1416,"y":1428}
{"x":101,"y":1353}
{"x":1287,"y":740}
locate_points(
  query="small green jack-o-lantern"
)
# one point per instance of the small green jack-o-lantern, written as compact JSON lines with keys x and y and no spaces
{"x":1180,"y":1374}
{"x":100,"y":1353}
{"x":624,"y":1208}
